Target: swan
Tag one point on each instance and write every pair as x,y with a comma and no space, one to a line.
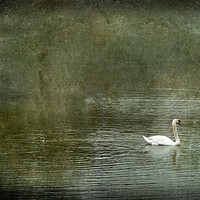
163,140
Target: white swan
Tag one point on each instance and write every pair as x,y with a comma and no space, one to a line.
163,140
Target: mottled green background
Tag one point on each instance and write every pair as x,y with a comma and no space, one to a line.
55,54
50,49
53,50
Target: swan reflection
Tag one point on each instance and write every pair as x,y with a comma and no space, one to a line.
163,152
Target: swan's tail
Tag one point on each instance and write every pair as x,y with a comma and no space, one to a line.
147,140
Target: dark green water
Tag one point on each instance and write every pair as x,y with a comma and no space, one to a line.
81,83
100,153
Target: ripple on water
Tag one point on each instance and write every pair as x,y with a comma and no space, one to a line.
104,155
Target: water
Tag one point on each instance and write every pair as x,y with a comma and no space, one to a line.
97,151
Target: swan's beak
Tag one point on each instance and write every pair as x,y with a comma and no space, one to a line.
180,123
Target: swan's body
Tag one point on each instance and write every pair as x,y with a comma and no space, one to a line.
163,140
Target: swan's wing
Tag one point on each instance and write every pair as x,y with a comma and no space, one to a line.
161,140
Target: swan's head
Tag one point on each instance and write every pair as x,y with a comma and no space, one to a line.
177,121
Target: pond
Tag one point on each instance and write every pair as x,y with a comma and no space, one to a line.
98,152
81,82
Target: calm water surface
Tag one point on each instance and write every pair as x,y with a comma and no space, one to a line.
99,151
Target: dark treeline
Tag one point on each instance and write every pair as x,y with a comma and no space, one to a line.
80,3
103,48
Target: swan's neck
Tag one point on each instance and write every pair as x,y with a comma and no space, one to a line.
175,133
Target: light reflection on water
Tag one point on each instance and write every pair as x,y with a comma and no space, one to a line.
104,155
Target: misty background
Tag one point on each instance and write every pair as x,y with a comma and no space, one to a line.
53,49
81,82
